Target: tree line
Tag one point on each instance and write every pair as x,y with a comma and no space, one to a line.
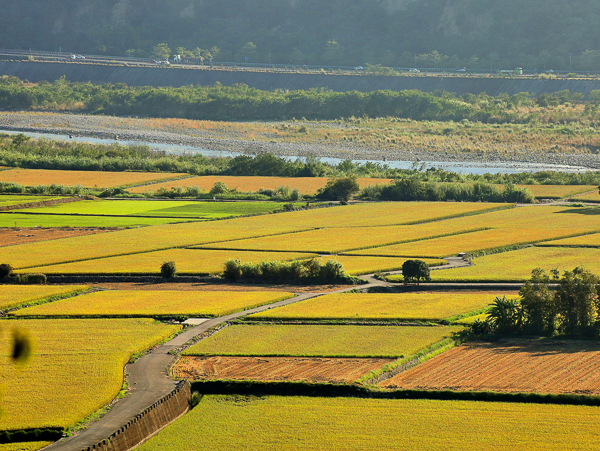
240,102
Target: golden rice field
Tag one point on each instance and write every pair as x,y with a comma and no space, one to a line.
517,265
136,240
87,179
592,197
12,295
558,191
156,303
238,422
187,261
591,240
306,185
357,265
24,446
333,240
321,340
76,367
432,306
470,242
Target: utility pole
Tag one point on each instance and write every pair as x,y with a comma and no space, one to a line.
569,62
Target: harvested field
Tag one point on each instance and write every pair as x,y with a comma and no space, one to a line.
76,367
470,242
312,423
509,366
10,236
12,295
320,340
87,179
432,306
335,371
187,261
306,185
154,304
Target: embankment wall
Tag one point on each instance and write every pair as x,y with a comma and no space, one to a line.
148,422
161,76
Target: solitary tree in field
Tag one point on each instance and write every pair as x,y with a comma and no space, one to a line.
167,270
415,271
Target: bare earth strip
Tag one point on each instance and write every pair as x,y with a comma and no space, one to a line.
276,368
11,236
516,366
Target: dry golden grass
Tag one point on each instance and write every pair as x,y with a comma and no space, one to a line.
87,179
76,367
187,261
306,185
24,446
155,304
470,242
424,306
11,295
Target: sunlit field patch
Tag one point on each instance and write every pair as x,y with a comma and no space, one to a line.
156,303
306,185
87,179
187,261
432,306
358,424
11,295
321,340
76,368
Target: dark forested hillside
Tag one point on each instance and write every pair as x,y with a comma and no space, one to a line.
444,33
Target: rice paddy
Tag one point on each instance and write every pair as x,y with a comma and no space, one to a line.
290,423
12,295
187,261
321,340
8,200
155,304
86,179
420,306
76,368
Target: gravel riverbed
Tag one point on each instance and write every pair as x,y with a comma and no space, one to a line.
226,139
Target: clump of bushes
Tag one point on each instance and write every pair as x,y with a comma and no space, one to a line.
412,189
305,271
5,270
29,279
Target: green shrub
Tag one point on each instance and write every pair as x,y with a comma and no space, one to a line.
29,279
5,270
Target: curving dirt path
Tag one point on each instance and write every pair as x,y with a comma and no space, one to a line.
149,378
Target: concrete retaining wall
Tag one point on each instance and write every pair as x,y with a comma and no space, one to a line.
160,76
143,425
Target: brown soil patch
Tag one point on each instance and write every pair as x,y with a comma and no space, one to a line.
275,368
10,236
215,287
518,366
